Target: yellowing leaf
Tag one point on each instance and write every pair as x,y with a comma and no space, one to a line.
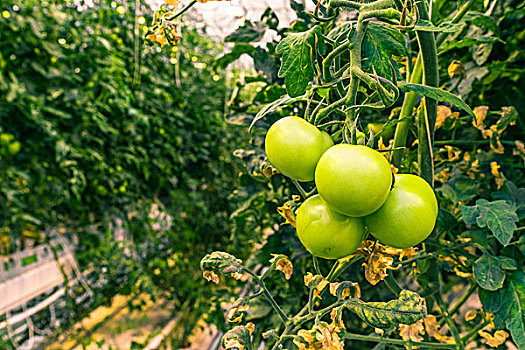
250,327
443,113
432,328
496,340
470,315
211,276
283,264
412,332
286,212
520,149
498,177
456,68
481,114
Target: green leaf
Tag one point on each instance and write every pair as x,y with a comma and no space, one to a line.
436,94
237,51
499,216
460,189
285,100
445,27
381,42
298,52
248,33
408,309
488,272
508,307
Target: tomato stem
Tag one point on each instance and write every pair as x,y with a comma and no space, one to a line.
376,339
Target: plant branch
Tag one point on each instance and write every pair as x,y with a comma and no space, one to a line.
276,307
376,339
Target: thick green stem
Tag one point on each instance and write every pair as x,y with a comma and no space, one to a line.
410,98
376,339
427,121
407,110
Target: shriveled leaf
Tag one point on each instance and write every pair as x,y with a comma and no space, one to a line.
433,330
408,309
297,63
317,282
238,310
283,264
321,336
495,340
345,290
498,216
379,259
221,262
238,338
412,332
286,211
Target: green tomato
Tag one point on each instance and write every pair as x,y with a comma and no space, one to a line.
326,233
360,137
408,215
377,128
354,180
294,147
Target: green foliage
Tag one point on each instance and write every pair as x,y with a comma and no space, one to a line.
498,216
98,125
507,305
408,309
297,62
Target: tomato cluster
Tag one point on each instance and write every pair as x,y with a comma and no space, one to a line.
356,191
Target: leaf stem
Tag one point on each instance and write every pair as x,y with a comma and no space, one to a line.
300,188
316,265
276,307
475,331
181,12
376,339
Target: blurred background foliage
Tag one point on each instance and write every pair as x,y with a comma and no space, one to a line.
100,130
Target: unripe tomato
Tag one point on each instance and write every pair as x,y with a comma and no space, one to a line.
408,215
326,233
294,147
354,180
